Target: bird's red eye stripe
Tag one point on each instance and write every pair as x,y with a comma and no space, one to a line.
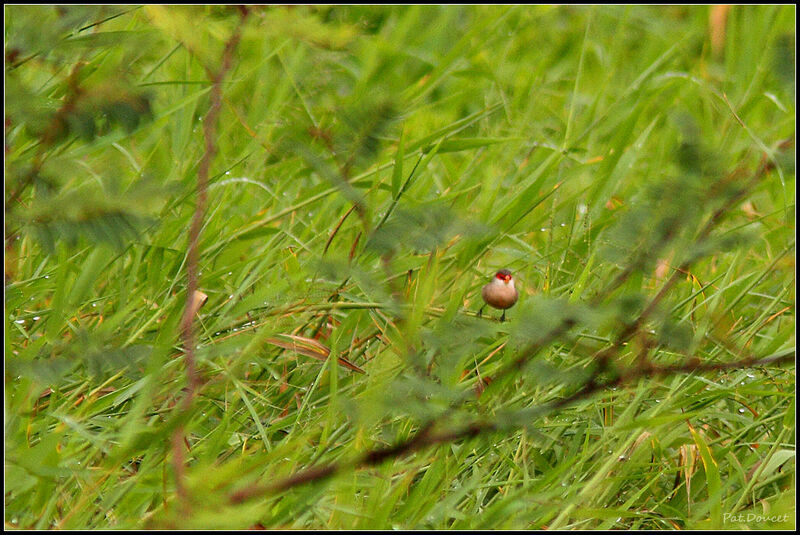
503,277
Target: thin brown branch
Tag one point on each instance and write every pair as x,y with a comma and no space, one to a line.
51,133
336,229
425,437
633,327
187,321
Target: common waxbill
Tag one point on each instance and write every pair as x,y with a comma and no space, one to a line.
500,293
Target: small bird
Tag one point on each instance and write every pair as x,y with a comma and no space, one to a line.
500,293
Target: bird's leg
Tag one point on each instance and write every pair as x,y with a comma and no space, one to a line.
480,312
503,317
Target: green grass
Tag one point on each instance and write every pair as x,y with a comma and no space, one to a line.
568,144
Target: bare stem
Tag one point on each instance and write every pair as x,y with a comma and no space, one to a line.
187,321
425,437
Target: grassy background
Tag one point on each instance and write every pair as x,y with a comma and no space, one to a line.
565,143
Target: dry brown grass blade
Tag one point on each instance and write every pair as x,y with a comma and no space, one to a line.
197,301
717,24
310,348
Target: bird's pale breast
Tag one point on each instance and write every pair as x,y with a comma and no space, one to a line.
500,296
